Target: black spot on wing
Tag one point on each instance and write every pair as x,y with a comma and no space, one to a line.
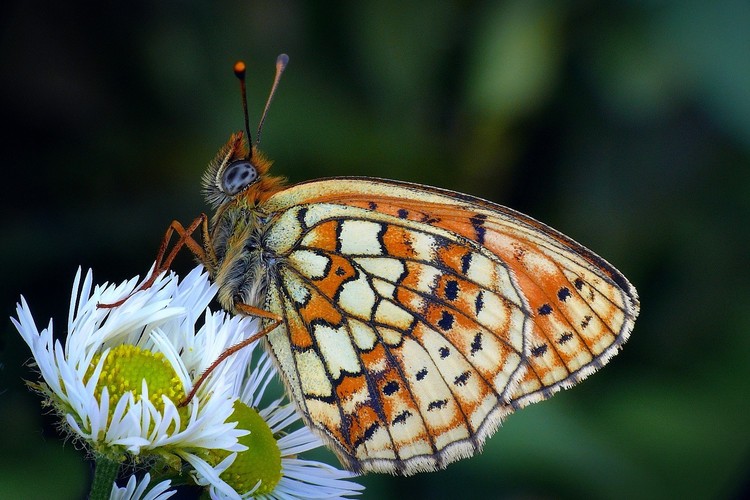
390,388
585,322
401,417
544,309
437,404
402,213
462,379
477,222
565,337
479,302
578,283
563,294
476,344
444,352
480,230
539,350
446,321
372,205
465,262
421,374
451,290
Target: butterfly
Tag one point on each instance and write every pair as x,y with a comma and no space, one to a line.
406,321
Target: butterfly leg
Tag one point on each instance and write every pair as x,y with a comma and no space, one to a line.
204,254
245,310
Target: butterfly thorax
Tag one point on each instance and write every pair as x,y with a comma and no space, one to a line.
242,262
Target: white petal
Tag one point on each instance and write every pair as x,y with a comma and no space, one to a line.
135,490
207,475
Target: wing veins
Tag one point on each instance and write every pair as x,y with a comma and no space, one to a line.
462,240
561,253
449,306
437,265
447,270
403,377
602,295
419,317
316,347
370,383
594,357
566,256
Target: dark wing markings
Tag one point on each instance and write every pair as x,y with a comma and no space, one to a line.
371,384
436,329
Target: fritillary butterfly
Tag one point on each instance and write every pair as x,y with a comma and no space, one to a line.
407,321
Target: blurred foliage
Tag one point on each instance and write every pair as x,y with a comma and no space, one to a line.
624,124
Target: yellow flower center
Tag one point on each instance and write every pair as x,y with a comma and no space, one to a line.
262,459
127,366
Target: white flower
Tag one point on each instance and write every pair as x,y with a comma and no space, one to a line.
119,377
292,477
122,371
135,490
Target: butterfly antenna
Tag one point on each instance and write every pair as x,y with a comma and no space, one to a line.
281,63
239,72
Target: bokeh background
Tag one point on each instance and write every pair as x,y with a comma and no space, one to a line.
624,124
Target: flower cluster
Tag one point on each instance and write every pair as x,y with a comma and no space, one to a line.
119,378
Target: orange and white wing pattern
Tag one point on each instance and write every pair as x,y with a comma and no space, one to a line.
415,319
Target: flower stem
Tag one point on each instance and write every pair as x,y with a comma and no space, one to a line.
105,474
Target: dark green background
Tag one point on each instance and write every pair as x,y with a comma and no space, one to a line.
626,125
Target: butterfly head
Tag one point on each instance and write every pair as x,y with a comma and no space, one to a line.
239,171
236,174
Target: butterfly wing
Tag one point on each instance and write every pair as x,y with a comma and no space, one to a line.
416,318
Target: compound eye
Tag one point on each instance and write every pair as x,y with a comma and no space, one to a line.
237,176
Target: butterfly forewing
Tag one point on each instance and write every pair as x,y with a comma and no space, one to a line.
415,319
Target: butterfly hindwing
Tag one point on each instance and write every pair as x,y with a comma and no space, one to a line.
415,319
410,378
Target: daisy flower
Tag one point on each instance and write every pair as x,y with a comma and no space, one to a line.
135,490
270,469
119,377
